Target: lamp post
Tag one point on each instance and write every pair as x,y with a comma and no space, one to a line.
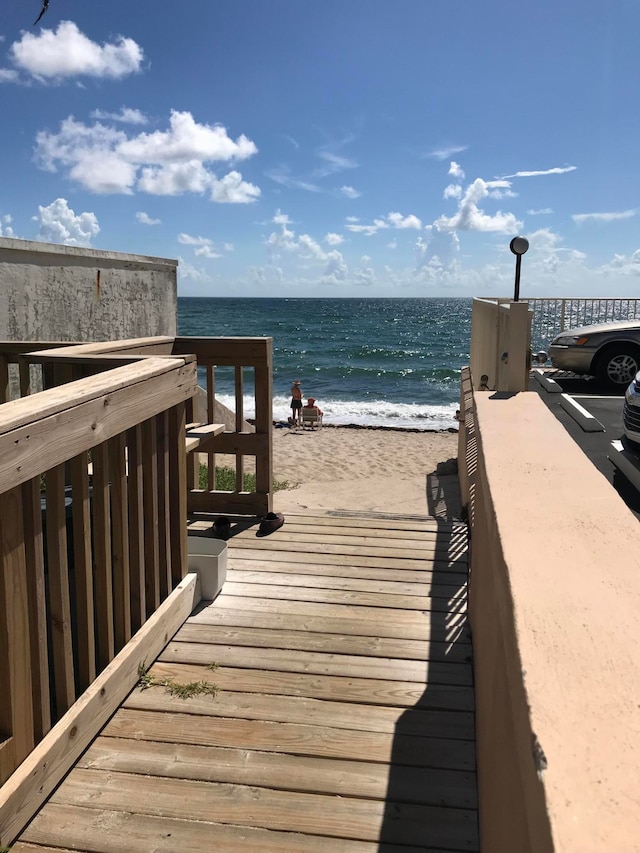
518,246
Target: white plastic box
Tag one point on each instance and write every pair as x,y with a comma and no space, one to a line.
208,557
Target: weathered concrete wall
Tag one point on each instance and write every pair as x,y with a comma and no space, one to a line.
554,601
51,292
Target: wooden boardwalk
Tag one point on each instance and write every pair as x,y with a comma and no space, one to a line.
344,717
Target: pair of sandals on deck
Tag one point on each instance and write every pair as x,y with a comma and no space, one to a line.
269,523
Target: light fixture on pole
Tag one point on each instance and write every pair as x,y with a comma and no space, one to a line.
518,246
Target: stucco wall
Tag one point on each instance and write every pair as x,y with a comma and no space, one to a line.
554,604
51,292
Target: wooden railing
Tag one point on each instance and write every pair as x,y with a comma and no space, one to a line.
35,365
92,533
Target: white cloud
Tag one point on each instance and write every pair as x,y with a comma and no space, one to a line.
456,171
445,153
145,219
471,218
350,192
392,220
352,219
336,270
8,75
365,259
557,170
127,115
281,218
393,244
541,212
104,159
229,247
308,247
204,246
333,239
364,277
5,226
452,191
579,218
502,194
188,272
397,220
59,224
233,190
67,52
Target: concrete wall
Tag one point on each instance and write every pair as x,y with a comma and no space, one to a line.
52,292
554,604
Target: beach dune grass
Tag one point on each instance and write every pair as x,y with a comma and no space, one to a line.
226,480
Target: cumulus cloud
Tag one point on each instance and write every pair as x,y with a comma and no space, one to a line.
350,192
352,219
452,191
540,212
127,115
333,239
336,270
456,171
579,218
8,75
203,246
145,219
445,152
5,226
59,224
105,159
391,220
281,218
470,217
557,170
188,272
66,52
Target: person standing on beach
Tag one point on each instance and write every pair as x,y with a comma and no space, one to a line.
296,401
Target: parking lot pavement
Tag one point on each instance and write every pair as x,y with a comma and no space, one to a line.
606,406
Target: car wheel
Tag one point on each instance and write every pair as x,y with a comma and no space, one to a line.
618,365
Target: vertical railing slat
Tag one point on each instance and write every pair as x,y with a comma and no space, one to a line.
103,570
151,544
16,712
164,542
178,492
59,596
120,541
34,553
83,570
239,389
211,396
136,527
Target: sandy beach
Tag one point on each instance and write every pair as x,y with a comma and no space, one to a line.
372,469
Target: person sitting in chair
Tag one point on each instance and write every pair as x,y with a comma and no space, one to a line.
311,406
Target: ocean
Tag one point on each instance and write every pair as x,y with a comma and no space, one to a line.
377,362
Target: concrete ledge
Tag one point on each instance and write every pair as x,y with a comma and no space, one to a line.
546,382
627,463
587,421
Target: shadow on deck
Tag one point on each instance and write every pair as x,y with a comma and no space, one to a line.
343,719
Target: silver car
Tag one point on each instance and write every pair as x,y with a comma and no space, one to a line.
610,351
631,412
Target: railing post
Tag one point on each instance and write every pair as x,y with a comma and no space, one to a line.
178,492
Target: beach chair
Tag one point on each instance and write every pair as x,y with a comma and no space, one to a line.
311,417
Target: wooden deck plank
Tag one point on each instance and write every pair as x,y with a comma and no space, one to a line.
236,562
321,580
320,663
330,624
346,597
292,718
253,550
425,786
316,814
274,638
371,691
345,545
120,830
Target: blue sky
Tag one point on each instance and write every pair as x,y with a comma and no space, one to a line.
335,148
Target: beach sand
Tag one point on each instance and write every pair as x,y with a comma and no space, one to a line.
370,469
